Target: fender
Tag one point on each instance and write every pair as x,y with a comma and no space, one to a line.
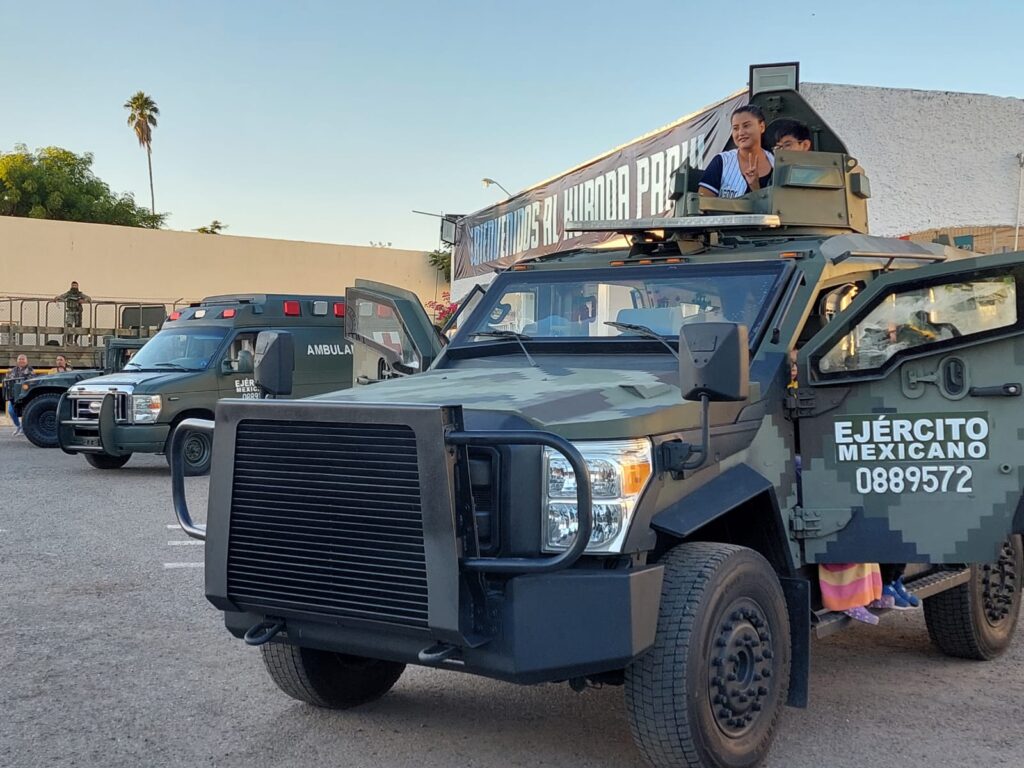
739,490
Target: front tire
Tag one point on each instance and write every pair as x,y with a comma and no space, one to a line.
106,461
977,620
328,679
197,452
39,420
710,690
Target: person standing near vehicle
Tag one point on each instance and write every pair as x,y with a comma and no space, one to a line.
73,300
60,364
12,381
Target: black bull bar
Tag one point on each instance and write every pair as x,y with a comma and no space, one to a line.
439,439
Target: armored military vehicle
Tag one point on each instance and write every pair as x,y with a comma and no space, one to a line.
611,475
36,399
202,353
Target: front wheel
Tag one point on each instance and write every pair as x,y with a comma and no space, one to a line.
977,620
106,461
39,420
710,690
328,679
197,451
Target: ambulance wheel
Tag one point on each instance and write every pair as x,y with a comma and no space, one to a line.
710,690
106,461
328,679
197,452
977,620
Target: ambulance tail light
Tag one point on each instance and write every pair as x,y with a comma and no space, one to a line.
291,308
339,309
228,313
174,316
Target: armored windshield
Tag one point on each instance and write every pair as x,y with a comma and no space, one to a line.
188,349
559,304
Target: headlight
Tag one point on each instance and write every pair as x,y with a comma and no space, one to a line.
619,471
145,408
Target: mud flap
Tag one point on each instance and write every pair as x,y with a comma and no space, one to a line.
798,603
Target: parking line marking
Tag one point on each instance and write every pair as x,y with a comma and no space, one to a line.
183,565
172,526
185,543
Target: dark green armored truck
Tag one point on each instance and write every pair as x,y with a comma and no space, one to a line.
202,353
36,399
610,475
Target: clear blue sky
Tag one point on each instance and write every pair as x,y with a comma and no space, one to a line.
330,121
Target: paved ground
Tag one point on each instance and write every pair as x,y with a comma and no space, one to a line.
110,656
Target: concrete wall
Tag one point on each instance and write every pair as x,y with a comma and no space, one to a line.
43,257
935,159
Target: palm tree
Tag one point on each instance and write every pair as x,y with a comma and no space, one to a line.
142,114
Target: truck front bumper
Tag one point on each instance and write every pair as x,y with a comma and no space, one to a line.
550,627
105,435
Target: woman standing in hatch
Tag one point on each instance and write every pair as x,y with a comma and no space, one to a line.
738,171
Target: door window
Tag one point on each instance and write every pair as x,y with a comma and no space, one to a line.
240,354
915,320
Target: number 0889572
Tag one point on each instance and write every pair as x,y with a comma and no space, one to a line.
945,478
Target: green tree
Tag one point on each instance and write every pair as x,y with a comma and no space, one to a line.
55,183
142,114
213,228
441,260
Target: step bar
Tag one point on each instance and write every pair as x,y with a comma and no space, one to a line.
930,583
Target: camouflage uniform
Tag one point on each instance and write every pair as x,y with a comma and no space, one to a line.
73,300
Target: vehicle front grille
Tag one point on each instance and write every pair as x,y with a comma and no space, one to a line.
83,408
326,520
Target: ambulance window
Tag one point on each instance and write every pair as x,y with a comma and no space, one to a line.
240,353
922,317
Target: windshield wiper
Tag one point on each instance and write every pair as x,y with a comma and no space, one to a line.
643,330
133,365
518,337
175,366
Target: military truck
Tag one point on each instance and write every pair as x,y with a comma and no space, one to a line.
35,400
202,353
610,474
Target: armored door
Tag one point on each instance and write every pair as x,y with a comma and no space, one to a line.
911,419
390,332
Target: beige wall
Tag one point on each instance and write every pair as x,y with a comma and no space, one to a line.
43,257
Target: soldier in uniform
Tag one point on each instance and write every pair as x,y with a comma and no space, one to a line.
73,299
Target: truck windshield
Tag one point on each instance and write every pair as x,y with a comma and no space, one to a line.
183,349
576,305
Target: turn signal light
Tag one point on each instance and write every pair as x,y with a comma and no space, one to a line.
291,308
339,309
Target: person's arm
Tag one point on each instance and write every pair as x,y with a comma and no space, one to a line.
62,296
711,180
86,297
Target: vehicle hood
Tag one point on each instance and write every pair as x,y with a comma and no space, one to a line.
577,403
149,381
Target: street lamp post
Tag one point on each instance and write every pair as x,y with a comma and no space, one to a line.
488,182
1020,195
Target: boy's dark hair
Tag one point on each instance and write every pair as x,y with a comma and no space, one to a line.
793,128
752,109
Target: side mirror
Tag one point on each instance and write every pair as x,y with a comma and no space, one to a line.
227,366
714,366
274,362
714,362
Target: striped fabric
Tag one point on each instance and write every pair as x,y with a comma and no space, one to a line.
849,585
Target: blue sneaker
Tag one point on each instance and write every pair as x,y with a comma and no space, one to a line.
899,603
912,600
